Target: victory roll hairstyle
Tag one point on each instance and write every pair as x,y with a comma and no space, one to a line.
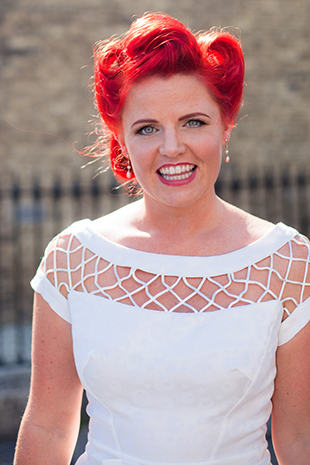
157,44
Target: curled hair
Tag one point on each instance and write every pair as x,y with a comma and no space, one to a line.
157,44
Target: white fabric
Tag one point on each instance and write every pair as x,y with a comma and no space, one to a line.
55,299
166,387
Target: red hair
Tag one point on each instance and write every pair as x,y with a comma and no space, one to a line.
157,44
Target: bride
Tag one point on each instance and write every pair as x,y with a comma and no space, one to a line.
184,318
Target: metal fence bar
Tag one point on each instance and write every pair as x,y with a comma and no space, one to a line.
31,215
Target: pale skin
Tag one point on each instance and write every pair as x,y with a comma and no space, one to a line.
165,123
50,425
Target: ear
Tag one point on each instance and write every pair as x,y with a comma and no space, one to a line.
120,139
227,132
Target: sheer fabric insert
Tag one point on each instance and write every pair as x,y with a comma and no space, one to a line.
284,275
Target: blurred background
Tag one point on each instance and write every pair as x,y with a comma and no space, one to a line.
45,109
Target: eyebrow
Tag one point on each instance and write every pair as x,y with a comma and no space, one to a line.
193,115
154,121
145,121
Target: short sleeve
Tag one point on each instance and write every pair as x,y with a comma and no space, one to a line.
47,274
54,278
294,322
41,284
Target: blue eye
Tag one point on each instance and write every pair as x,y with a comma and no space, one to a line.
195,123
146,130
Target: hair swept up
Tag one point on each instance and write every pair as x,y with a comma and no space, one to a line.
157,44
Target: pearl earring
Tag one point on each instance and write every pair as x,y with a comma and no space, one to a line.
129,167
128,174
227,157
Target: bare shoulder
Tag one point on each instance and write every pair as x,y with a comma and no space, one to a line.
257,227
235,230
120,223
244,228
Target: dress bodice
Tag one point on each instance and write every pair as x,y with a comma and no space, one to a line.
175,387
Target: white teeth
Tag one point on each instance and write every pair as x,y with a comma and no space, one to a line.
177,178
168,171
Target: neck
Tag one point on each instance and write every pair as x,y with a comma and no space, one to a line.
182,222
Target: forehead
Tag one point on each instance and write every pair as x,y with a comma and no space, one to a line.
178,93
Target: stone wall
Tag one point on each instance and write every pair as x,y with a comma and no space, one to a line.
45,67
46,48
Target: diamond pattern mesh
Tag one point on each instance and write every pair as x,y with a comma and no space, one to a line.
284,275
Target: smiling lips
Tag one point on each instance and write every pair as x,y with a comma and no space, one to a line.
176,172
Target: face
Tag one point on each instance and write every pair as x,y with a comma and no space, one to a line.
173,133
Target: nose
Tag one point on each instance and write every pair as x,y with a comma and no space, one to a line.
171,145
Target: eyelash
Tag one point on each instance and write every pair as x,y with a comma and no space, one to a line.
201,123
140,130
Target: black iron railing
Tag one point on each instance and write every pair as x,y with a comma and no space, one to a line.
30,215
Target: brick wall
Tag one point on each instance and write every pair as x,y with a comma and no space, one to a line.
46,49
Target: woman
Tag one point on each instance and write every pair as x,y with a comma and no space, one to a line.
183,317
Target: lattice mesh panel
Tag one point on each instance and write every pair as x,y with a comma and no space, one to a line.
284,275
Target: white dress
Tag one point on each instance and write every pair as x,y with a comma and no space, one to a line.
188,384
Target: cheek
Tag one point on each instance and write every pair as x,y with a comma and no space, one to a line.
141,153
140,164
137,157
209,150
